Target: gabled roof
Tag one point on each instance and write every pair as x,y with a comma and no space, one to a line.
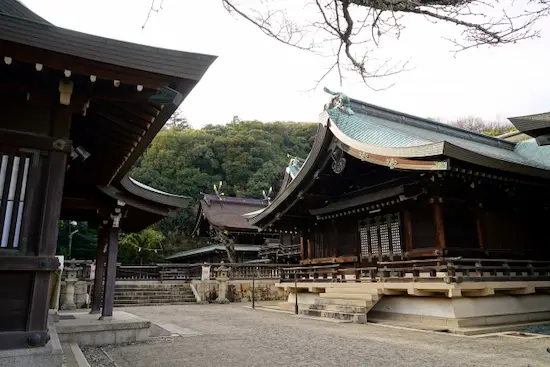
20,25
400,141
228,212
210,249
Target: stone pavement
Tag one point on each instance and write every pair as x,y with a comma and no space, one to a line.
232,335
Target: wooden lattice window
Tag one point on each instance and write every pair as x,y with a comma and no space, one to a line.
395,230
14,174
380,236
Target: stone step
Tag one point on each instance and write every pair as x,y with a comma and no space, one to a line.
157,296
151,304
344,302
143,293
343,295
133,288
153,301
340,308
289,306
358,318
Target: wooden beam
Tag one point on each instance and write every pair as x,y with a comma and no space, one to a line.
22,139
309,249
110,274
439,226
22,339
85,67
302,248
423,252
330,260
28,263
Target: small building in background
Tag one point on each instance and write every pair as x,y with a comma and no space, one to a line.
225,215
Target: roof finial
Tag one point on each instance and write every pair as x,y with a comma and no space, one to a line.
218,190
267,195
340,101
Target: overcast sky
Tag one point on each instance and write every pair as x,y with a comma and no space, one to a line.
255,77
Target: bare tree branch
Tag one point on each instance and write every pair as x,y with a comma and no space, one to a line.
354,29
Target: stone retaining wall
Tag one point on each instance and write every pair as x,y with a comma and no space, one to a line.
240,290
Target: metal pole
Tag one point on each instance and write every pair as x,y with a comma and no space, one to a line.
295,292
70,239
253,290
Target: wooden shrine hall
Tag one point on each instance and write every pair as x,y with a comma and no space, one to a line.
416,207
224,215
77,111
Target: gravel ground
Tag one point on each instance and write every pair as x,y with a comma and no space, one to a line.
231,335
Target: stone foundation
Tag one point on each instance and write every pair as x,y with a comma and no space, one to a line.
464,312
85,329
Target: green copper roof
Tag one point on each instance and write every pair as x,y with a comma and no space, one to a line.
379,127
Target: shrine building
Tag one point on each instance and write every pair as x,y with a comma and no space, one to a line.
417,220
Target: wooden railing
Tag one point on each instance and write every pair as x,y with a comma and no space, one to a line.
450,270
186,272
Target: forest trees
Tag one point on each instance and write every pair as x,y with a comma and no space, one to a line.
247,156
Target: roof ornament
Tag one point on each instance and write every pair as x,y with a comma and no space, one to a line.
267,195
339,101
338,161
218,190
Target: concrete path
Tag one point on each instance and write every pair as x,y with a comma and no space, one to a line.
231,335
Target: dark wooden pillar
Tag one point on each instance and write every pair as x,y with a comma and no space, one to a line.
407,230
309,249
302,248
47,241
110,274
479,225
103,239
439,226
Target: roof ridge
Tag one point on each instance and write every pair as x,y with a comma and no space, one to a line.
233,199
424,123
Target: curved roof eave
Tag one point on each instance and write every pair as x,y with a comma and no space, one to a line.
322,139
139,189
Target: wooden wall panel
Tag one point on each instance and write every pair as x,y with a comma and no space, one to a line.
423,226
15,288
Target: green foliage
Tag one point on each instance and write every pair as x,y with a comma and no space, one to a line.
141,248
248,156
84,246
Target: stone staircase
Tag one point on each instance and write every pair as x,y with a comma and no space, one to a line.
348,304
127,295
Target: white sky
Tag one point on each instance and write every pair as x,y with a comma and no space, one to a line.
255,77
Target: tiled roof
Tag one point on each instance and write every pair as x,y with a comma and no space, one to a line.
401,134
